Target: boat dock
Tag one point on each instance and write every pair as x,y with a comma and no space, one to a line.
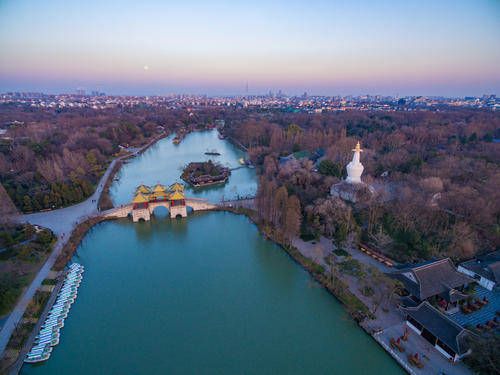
46,333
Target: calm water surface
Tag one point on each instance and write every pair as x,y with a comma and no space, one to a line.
164,161
202,295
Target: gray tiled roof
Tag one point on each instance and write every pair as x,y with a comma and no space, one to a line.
445,329
436,277
487,266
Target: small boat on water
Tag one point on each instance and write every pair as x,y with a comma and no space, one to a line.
53,325
44,348
212,152
51,342
46,338
221,136
38,358
241,161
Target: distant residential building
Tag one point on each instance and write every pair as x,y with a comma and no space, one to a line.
485,269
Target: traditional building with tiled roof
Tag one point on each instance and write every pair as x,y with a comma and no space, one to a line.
448,337
485,269
437,279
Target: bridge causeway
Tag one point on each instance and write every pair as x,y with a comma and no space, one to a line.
146,199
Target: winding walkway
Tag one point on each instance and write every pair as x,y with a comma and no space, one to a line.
59,221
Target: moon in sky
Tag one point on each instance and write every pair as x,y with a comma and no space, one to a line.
146,68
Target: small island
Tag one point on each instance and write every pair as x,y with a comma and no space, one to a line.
205,173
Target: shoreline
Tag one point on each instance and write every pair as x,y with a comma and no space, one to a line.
78,232
104,199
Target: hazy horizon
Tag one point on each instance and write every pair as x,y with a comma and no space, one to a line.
429,48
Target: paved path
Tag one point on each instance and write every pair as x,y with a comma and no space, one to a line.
318,250
246,203
60,221
434,362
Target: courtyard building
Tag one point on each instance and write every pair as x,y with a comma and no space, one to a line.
436,281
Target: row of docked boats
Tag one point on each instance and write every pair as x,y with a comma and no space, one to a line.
49,334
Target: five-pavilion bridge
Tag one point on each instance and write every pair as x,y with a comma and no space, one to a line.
146,199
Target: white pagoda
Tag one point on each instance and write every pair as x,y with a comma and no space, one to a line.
352,188
355,168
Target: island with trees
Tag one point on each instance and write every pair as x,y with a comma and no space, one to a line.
205,173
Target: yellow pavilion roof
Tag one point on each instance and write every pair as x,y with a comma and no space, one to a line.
140,198
143,189
177,187
158,188
176,196
162,193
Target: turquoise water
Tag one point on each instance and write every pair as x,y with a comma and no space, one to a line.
163,163
202,295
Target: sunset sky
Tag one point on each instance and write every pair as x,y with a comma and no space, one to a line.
449,48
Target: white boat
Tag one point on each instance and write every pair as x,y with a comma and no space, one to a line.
63,314
64,297
41,339
49,341
40,348
69,288
72,276
57,313
71,285
48,330
75,279
58,309
53,335
58,324
61,304
52,321
49,333
66,293
39,358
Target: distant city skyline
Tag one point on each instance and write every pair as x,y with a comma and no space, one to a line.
429,48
